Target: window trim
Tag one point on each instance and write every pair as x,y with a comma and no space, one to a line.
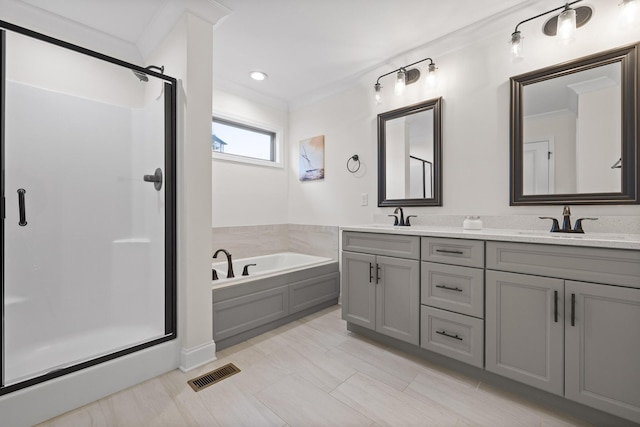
277,152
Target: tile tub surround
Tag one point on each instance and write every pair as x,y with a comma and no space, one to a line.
254,240
628,224
314,372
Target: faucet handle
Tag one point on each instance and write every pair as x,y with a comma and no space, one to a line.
578,226
245,270
395,221
214,274
555,226
406,220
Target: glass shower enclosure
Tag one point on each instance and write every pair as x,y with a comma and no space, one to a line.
88,208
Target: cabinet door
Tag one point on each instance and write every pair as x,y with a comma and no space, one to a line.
602,347
524,336
359,289
398,299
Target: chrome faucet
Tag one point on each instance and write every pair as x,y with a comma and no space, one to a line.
229,263
566,223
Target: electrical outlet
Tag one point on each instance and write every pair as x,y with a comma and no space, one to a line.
364,199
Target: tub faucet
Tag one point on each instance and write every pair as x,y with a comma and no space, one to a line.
566,223
229,263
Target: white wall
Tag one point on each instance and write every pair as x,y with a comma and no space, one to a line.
474,84
186,55
598,141
247,194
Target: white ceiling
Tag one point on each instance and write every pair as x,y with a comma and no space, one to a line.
305,46
123,19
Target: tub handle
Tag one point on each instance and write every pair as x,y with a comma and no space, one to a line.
245,270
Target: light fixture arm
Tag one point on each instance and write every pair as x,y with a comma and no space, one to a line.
566,6
407,66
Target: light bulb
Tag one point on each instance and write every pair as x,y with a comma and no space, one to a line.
566,26
516,45
431,76
630,13
401,80
378,93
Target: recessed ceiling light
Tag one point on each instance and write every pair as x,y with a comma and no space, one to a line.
258,75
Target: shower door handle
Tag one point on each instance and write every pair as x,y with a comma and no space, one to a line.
156,178
21,208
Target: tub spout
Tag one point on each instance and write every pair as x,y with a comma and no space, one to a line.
229,264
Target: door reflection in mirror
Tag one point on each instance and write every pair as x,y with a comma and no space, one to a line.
409,148
580,113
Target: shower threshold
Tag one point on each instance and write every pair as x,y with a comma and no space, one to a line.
29,362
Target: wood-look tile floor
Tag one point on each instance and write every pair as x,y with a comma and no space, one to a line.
313,372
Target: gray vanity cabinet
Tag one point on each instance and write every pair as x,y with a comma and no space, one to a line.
358,293
602,347
524,336
381,292
452,297
562,334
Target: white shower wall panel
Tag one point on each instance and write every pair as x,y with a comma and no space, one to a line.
77,168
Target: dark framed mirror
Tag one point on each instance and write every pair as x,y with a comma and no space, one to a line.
574,131
410,155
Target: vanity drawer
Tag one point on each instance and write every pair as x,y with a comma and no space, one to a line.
454,288
469,253
454,335
382,244
598,265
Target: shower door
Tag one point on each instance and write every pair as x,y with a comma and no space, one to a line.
88,220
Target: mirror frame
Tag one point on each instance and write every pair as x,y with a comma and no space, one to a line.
432,104
628,57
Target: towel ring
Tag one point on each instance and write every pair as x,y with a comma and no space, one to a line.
356,160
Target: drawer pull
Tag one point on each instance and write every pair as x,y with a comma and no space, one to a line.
370,272
456,337
555,306
448,288
573,309
449,251
377,274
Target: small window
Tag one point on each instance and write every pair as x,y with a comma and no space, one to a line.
236,139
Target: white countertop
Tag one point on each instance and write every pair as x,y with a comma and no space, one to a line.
599,240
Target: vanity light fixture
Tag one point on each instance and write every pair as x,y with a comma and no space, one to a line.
562,25
406,76
258,75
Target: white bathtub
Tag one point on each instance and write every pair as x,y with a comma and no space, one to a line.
280,288
266,265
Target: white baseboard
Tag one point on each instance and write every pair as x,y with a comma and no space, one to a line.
191,358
